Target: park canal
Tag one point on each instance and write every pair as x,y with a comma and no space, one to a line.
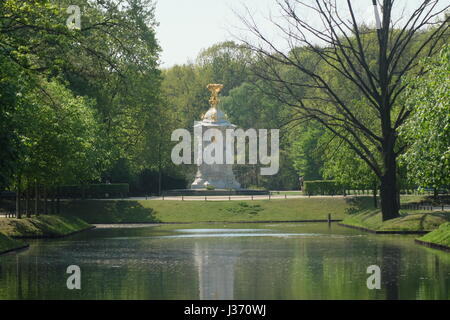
226,261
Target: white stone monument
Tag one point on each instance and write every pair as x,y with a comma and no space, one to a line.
219,176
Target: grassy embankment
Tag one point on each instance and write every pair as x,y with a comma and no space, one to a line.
416,221
420,221
47,226
439,238
358,211
8,244
43,226
434,224
170,211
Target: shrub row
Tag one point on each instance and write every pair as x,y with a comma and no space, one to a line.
322,187
99,191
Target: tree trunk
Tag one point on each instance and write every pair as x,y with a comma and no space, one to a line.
375,203
36,198
58,204
18,207
389,190
159,170
388,187
159,181
27,202
52,210
45,200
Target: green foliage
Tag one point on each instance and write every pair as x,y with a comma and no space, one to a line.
59,136
323,187
306,152
227,63
210,187
341,163
428,129
12,86
74,103
98,191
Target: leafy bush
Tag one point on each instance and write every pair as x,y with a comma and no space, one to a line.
323,187
210,187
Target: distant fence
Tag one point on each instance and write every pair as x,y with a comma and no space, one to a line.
425,207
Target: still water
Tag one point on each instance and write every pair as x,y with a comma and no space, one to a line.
226,261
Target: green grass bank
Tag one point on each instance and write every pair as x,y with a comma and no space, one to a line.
167,211
8,244
439,238
43,226
408,222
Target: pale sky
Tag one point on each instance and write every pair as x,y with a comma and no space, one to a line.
188,26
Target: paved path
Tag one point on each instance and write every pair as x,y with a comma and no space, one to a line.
221,198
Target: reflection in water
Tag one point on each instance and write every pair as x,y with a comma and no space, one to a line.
215,273
257,261
390,270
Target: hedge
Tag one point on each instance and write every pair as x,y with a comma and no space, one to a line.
322,187
111,190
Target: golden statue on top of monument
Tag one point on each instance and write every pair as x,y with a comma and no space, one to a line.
213,113
215,89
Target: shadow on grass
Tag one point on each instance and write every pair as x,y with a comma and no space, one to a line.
20,228
442,214
359,205
94,211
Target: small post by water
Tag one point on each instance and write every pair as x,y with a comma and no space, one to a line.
329,218
285,195
252,197
182,197
163,196
269,195
205,198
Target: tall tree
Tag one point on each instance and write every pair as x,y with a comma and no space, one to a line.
112,59
428,129
347,49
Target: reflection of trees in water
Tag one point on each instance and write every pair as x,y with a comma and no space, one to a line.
19,278
131,272
411,272
252,268
390,270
